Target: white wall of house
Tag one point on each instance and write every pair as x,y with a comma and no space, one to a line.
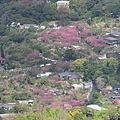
77,86
62,4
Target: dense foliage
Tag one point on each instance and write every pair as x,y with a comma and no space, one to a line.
27,11
75,46
78,113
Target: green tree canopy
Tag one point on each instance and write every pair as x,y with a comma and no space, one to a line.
77,65
110,65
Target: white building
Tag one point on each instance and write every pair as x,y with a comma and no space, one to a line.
77,86
44,74
102,57
42,26
88,85
96,107
27,26
62,4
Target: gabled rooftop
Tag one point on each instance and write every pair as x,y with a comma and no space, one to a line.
116,86
110,39
68,74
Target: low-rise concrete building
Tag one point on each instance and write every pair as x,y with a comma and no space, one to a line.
61,4
95,107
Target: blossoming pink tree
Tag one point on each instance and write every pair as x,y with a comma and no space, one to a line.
76,102
37,91
63,105
115,101
35,55
2,60
96,41
85,32
63,36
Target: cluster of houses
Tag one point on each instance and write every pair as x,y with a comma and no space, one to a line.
112,38
51,24
71,76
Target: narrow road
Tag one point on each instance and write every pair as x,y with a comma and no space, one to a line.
94,89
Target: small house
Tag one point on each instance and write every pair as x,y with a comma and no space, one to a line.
111,40
46,74
69,75
52,24
30,102
116,89
102,57
115,34
77,86
23,102
42,26
88,85
27,26
61,4
26,102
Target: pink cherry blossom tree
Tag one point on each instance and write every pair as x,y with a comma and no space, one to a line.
65,36
115,101
76,102
96,41
85,32
35,55
2,60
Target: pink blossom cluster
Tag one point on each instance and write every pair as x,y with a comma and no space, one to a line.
116,101
59,67
35,55
77,102
81,22
96,41
61,82
52,79
85,32
73,78
47,96
37,90
63,36
24,1
2,59
45,37
5,92
63,105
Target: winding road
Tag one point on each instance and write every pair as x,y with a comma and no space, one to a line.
94,89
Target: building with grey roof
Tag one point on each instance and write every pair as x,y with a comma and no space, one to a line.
111,40
69,74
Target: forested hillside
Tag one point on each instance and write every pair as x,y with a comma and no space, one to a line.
60,57
36,11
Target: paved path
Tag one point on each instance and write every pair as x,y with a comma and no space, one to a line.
94,89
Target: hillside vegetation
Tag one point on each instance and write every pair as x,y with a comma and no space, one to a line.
37,11
31,60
